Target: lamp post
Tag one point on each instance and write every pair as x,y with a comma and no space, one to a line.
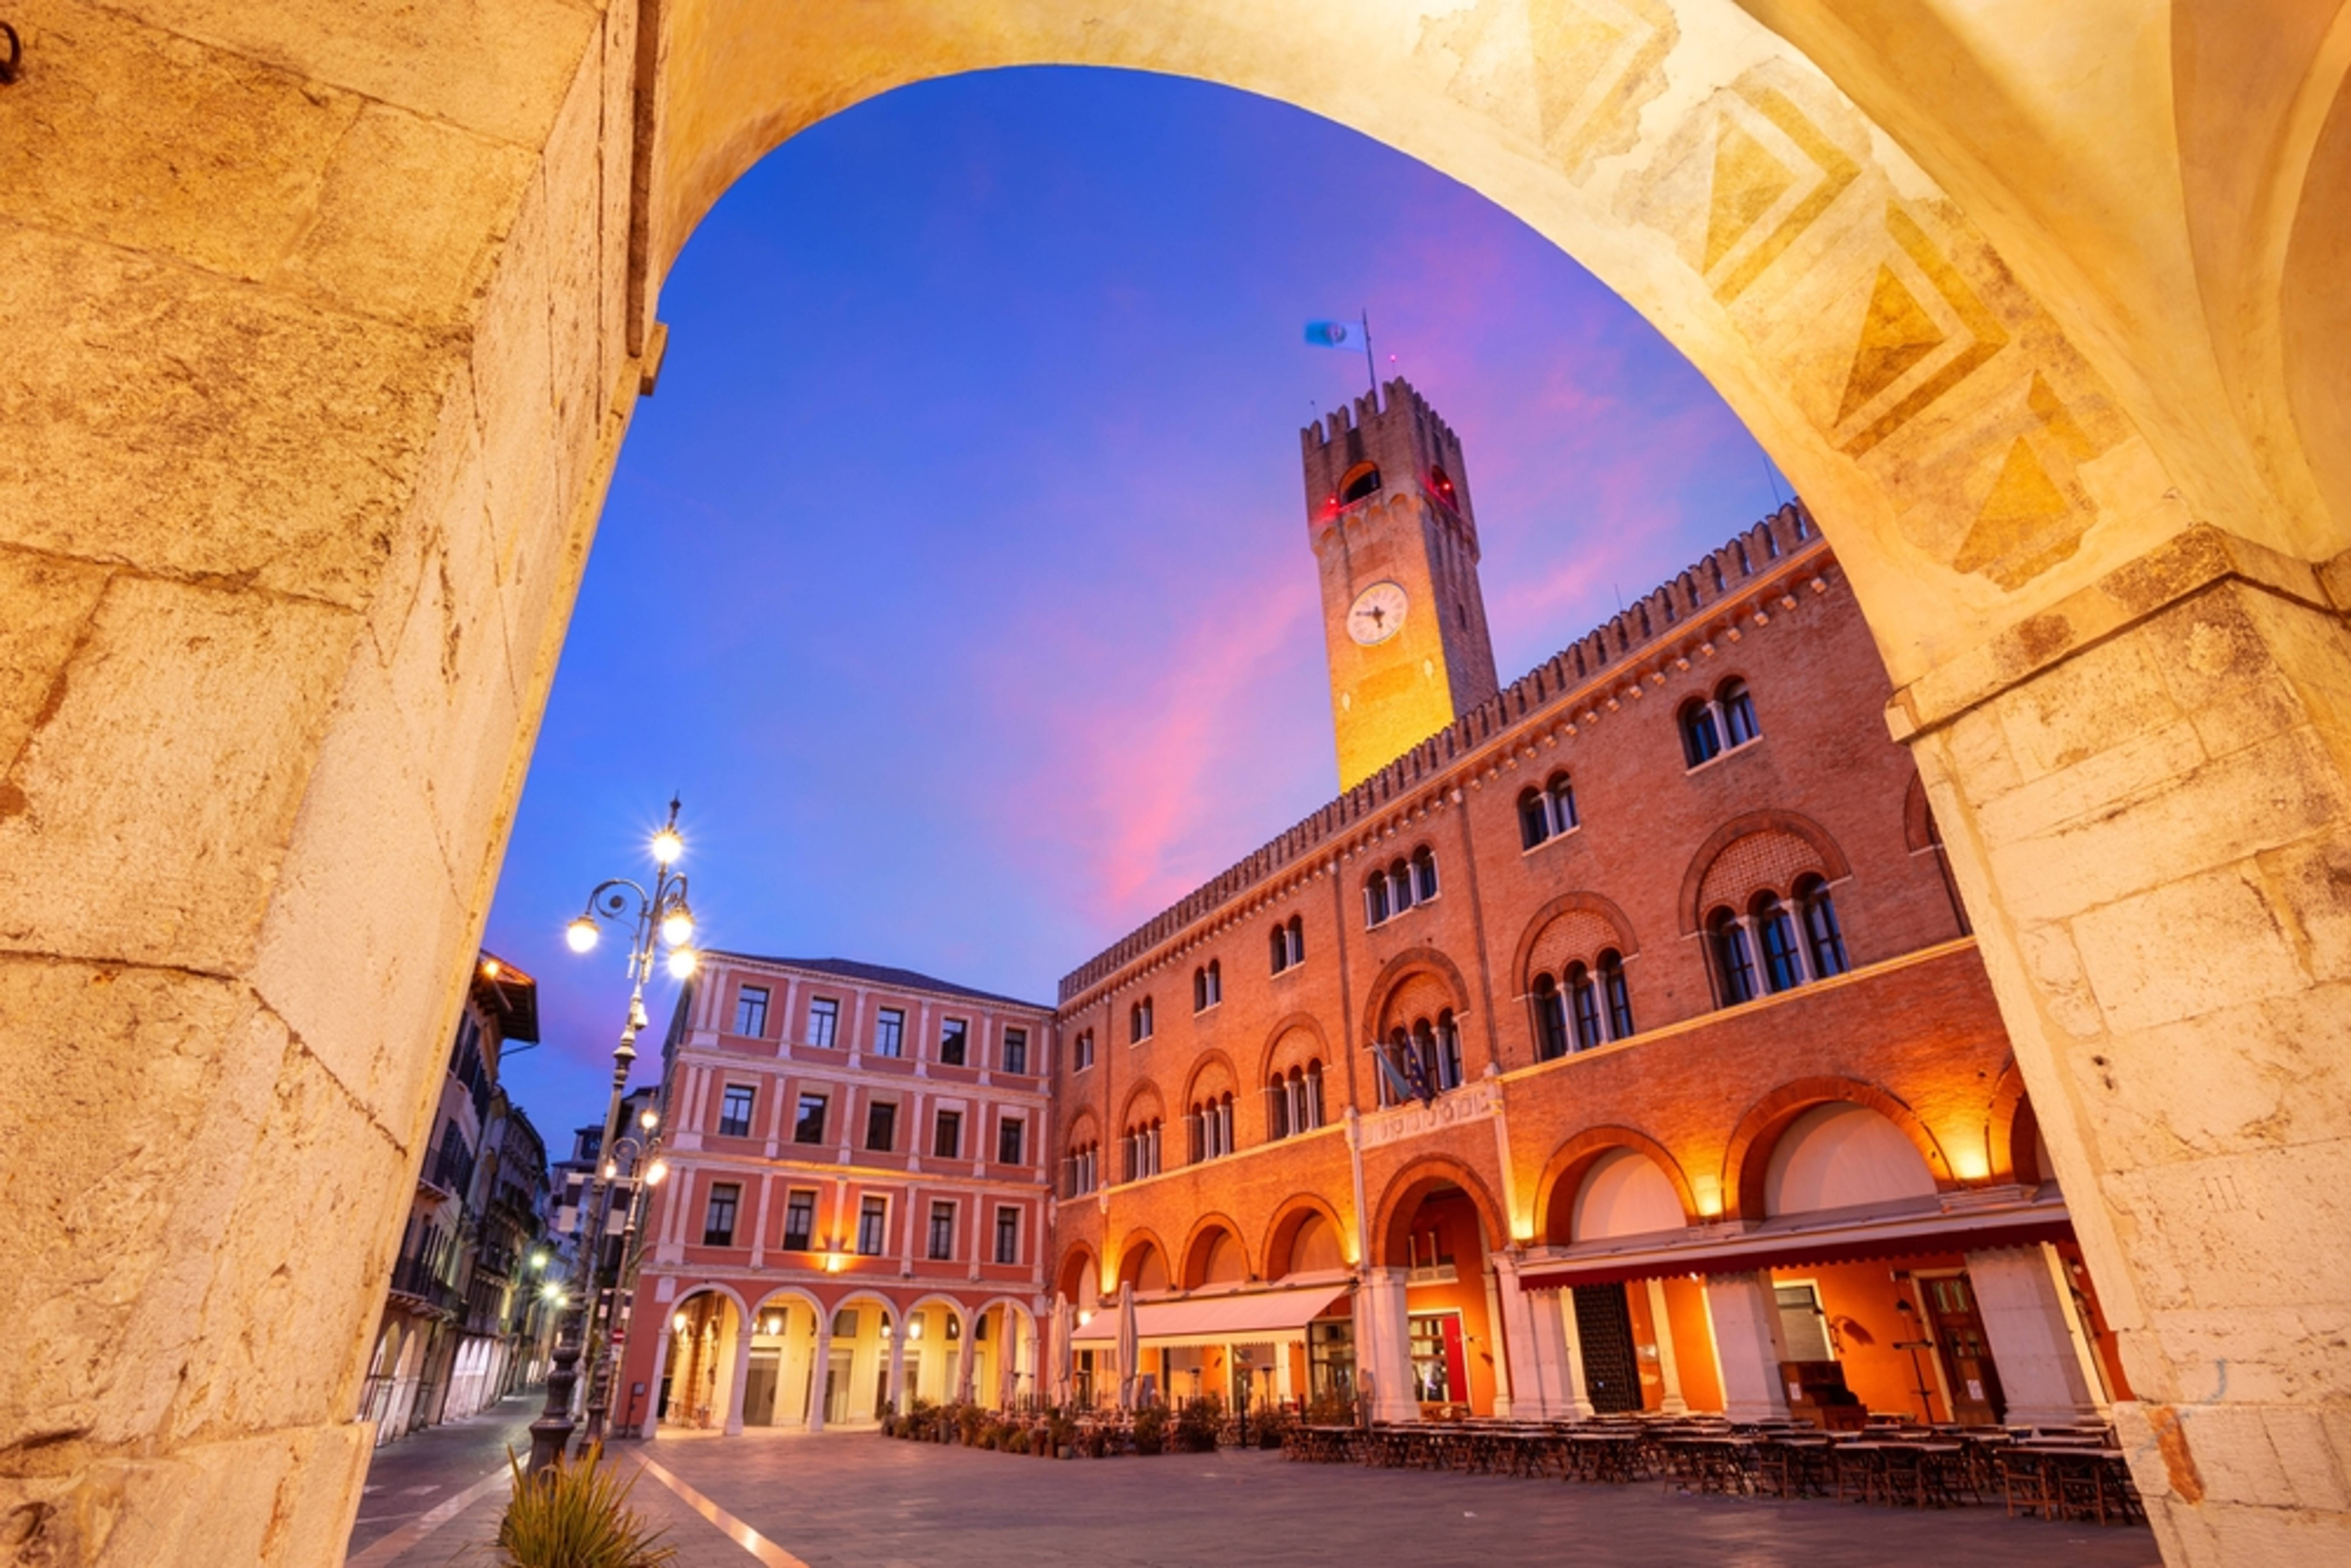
660,915
645,1172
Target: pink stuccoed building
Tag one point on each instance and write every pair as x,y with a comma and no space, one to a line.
856,1213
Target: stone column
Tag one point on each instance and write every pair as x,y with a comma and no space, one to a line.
1497,1336
738,1376
2031,1338
652,1427
819,1368
1669,1369
1750,1344
1557,1327
1514,1313
1380,1308
898,1367
2146,793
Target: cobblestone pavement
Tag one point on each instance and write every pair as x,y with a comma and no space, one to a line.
423,1470
857,1500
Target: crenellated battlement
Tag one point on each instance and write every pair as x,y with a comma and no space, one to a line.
1396,432
1700,593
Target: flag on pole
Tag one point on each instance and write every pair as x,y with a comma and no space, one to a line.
1334,334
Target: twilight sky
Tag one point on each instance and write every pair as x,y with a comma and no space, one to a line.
958,576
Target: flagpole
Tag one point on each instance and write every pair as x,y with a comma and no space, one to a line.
1371,372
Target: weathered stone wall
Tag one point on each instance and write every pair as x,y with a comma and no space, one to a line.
315,376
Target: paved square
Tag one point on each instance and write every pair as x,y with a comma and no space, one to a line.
858,1500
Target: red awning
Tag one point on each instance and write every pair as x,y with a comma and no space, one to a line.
1798,1248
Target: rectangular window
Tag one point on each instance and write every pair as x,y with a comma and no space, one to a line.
751,1011
799,1220
824,1021
873,1220
947,1137
1016,1051
734,1111
1009,1141
951,1039
718,1222
942,1231
1800,1321
809,1126
882,1126
890,1032
1008,1236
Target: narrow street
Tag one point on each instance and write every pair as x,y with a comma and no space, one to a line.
424,1470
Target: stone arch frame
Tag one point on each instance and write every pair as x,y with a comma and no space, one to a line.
1142,1089
1075,1254
1202,1228
1410,1184
1919,831
718,1287
1401,967
1282,1231
1143,1235
1274,1037
800,1294
2008,1156
1568,904
1835,865
1083,1127
940,1299
1749,1155
1564,1173
1201,1065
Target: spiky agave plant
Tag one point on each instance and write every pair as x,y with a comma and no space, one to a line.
577,1515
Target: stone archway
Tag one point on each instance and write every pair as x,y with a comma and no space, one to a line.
300,492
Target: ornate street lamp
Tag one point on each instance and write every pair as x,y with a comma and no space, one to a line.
660,915
616,1308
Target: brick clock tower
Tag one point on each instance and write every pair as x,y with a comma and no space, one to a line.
1387,506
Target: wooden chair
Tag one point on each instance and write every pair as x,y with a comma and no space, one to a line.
2024,1482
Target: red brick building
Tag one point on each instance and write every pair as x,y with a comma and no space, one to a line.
1620,1044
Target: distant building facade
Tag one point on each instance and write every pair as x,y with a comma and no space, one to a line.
464,1322
1616,1041
856,1214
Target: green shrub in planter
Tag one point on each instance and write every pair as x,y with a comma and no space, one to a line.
1150,1429
576,1514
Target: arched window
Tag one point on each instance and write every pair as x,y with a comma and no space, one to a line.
1195,1137
1296,932
1701,741
1277,1107
1551,1021
1222,1115
1442,482
1737,710
1615,995
1376,898
1394,1071
1280,948
1561,795
1361,480
1776,929
1534,817
1199,989
1138,1022
1313,1102
1449,1053
1400,887
1424,873
1734,961
1823,937
1208,986
1583,1001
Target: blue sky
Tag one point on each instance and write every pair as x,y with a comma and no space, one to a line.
958,576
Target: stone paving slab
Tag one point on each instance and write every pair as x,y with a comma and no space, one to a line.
857,1500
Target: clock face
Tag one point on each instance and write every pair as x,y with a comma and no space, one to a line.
1377,613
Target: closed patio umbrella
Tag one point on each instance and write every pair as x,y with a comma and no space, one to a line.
1063,1351
1129,1345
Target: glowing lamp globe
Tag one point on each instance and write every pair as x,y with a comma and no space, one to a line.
580,934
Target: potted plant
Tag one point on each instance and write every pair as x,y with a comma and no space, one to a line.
1196,1427
1150,1429
576,1512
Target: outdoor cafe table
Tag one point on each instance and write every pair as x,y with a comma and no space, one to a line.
1718,1462
1605,1456
2080,1480
1325,1445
